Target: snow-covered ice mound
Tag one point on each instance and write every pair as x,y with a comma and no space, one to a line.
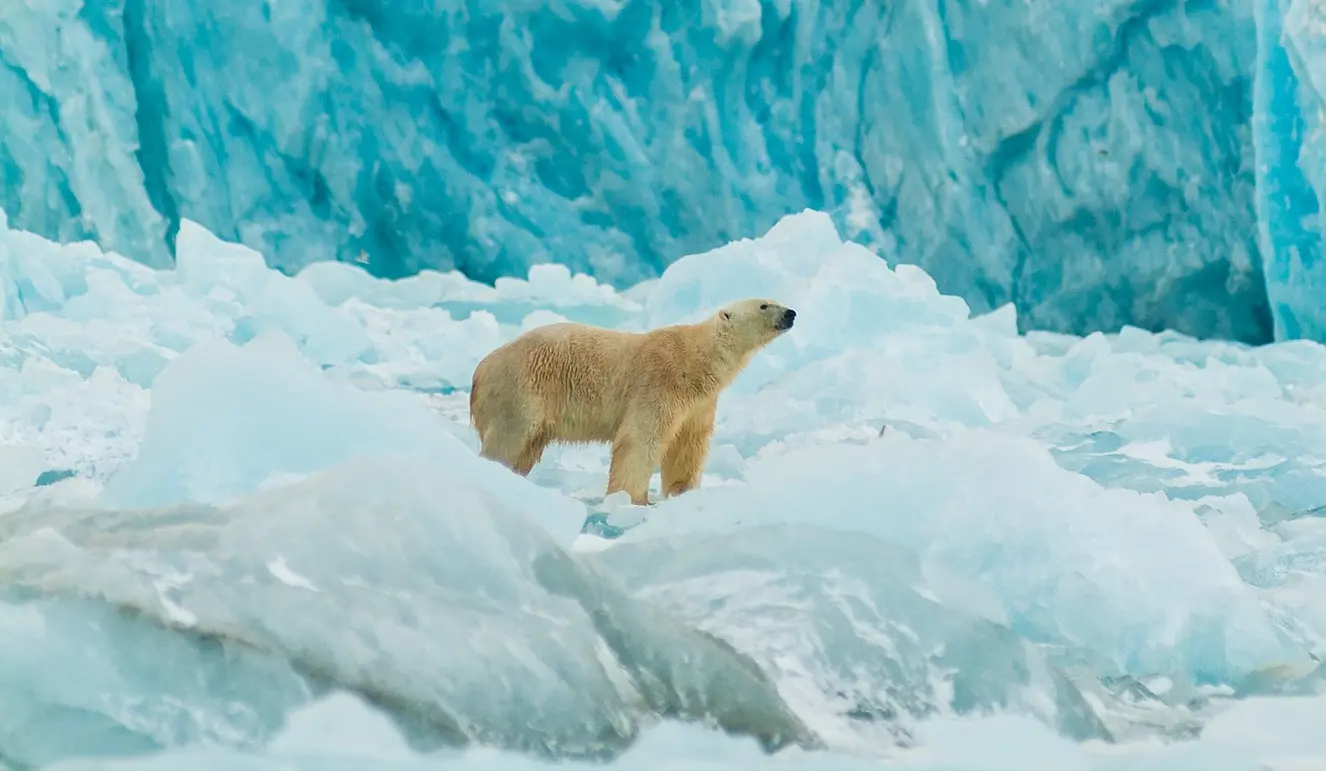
240,507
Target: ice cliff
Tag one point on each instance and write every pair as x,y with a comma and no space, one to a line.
1096,164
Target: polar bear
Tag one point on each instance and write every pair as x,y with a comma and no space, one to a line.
652,395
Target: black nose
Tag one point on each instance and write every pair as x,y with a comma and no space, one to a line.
789,316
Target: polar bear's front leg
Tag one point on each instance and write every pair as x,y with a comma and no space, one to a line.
684,456
635,455
633,463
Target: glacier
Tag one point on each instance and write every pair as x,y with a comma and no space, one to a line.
243,524
1139,163
1291,172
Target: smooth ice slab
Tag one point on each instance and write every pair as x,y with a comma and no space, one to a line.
20,466
863,636
405,581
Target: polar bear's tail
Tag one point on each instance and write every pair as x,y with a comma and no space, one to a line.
474,403
479,386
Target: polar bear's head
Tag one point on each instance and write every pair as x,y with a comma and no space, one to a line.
754,323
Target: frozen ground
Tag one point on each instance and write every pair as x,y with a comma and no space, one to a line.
244,527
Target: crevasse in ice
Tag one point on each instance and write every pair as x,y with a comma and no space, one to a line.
243,508
1095,163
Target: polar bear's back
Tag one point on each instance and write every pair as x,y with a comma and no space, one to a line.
570,376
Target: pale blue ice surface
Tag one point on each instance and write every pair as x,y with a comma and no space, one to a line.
1055,544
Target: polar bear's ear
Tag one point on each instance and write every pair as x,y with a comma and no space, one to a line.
726,316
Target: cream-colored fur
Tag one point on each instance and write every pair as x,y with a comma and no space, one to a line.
652,394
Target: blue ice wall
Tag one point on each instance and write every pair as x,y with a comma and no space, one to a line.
1089,160
1291,169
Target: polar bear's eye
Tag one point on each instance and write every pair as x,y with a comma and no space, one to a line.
764,306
